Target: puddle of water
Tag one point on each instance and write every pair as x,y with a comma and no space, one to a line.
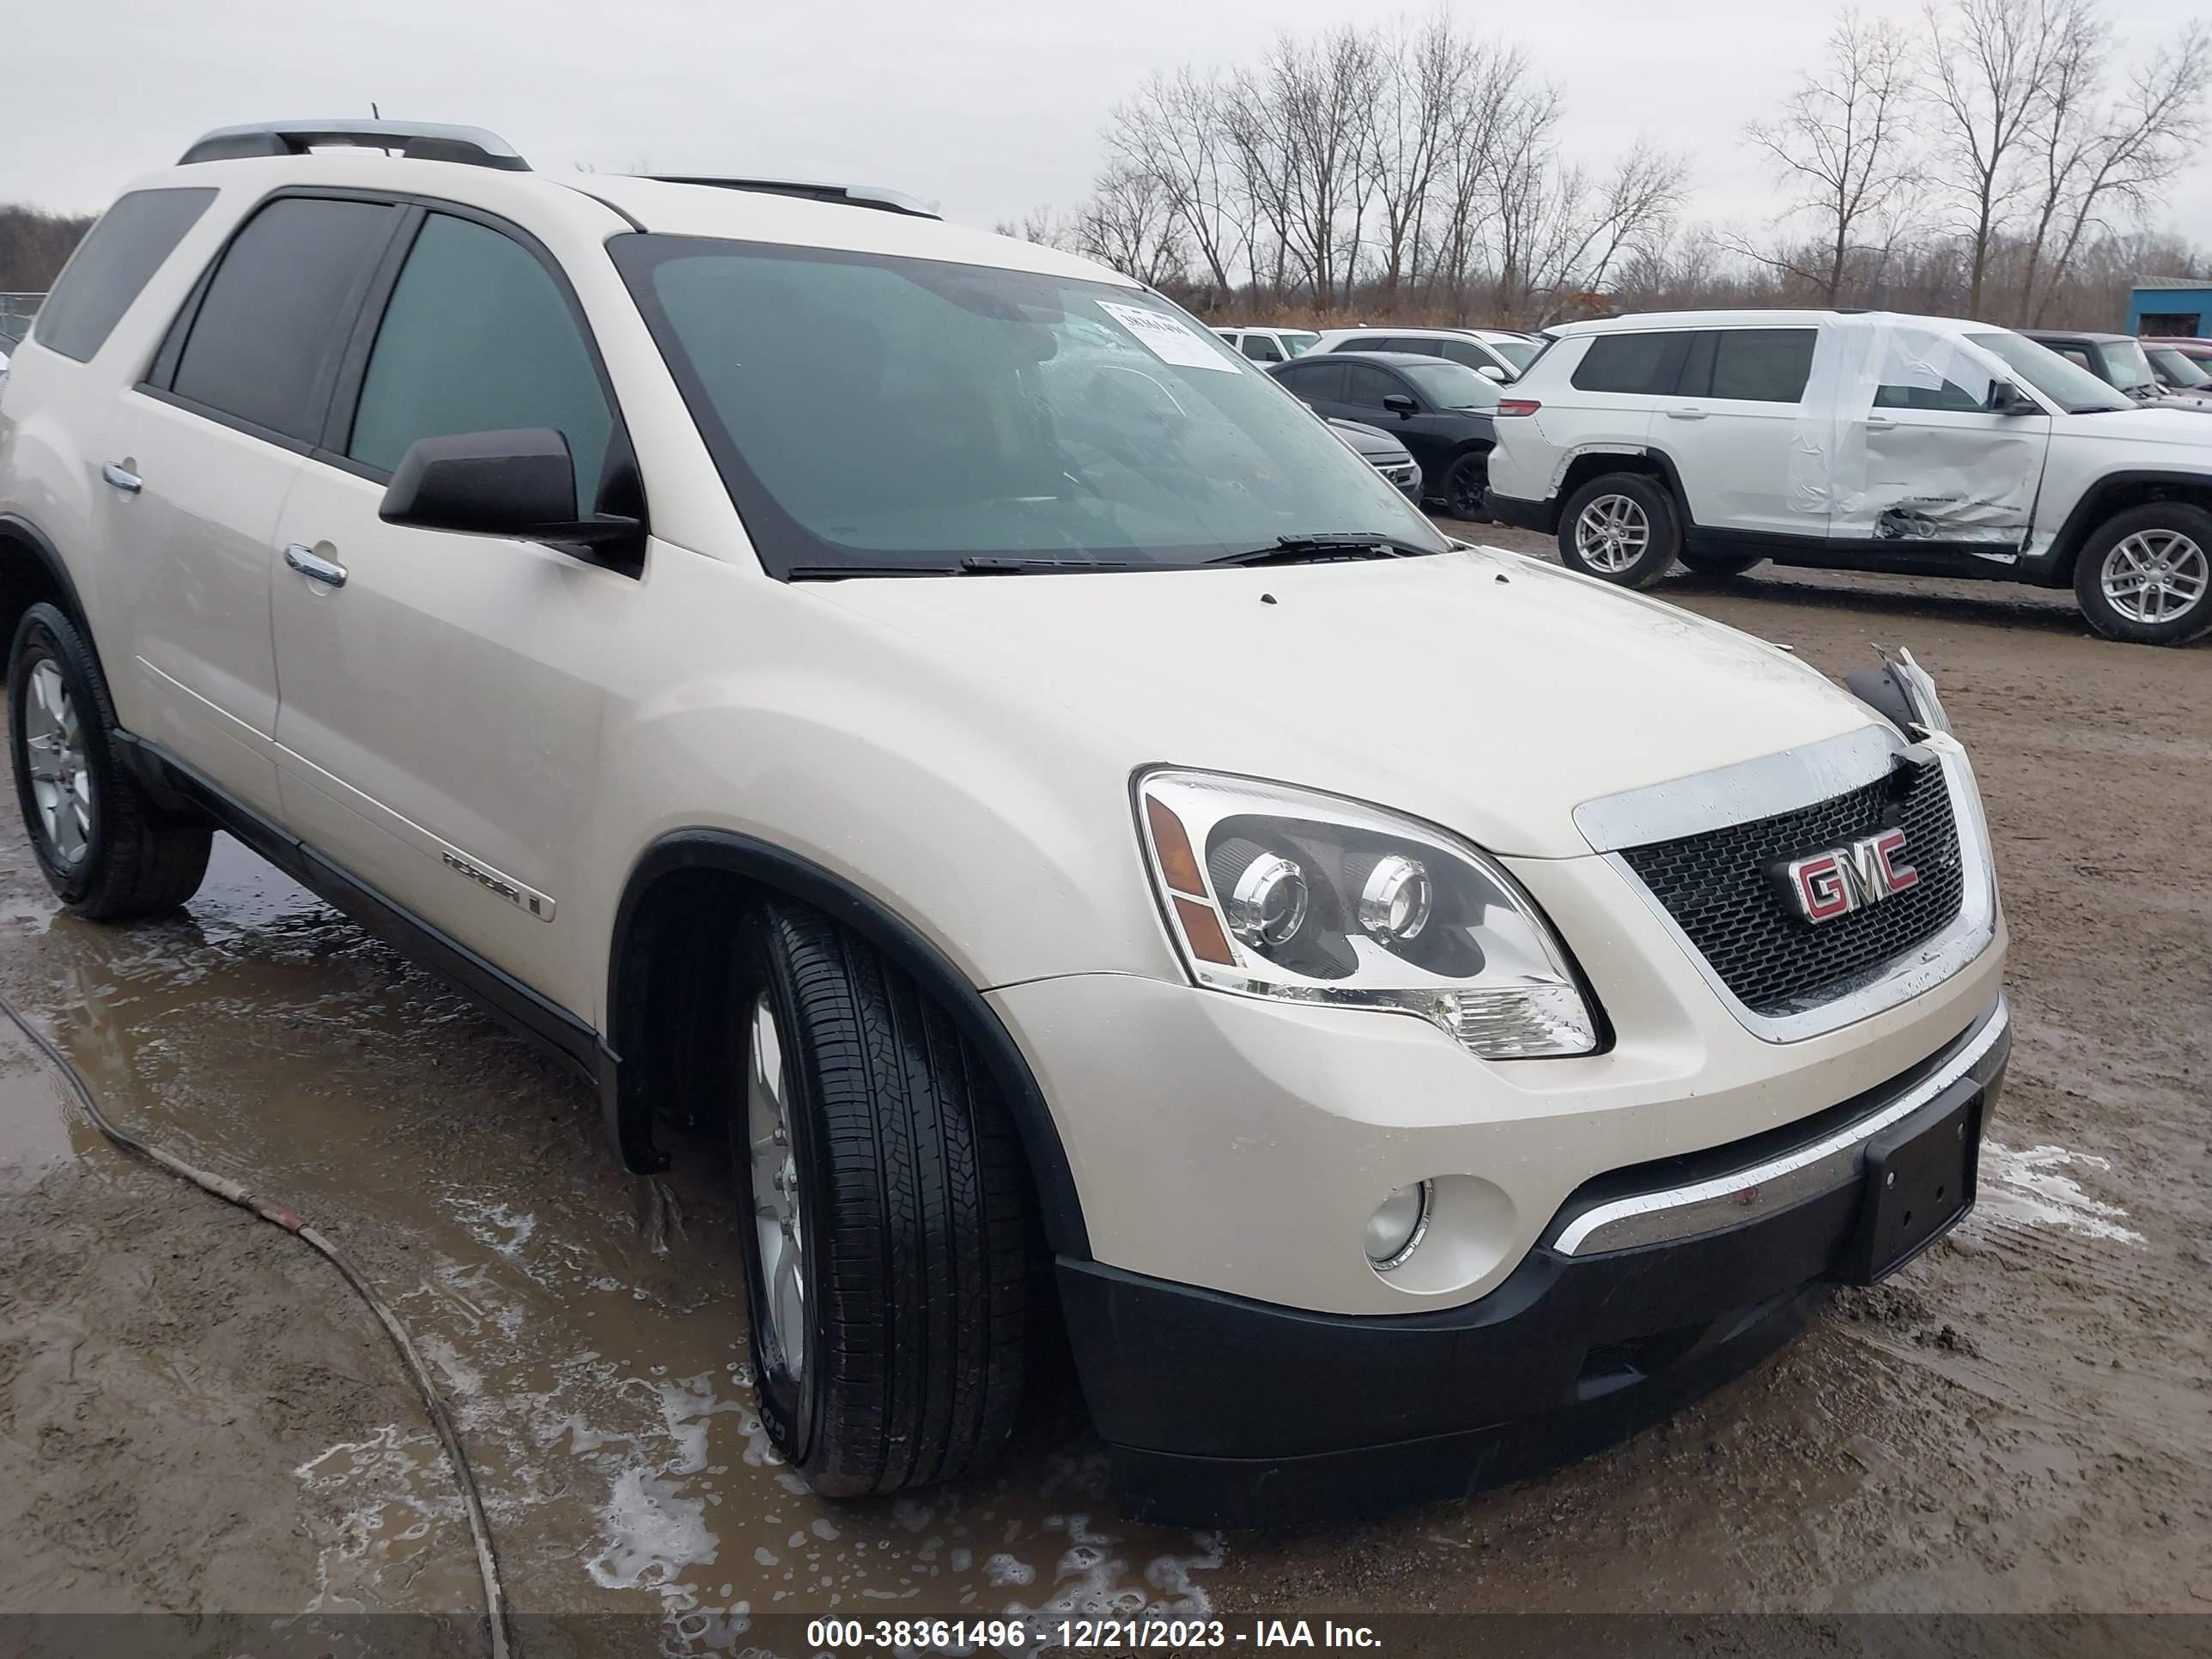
2029,1189
587,1326
37,1113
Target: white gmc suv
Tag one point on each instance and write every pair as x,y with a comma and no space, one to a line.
1861,441
920,703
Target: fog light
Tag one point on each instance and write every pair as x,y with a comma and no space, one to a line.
1394,1232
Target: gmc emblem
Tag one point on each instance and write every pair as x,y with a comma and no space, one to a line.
1826,885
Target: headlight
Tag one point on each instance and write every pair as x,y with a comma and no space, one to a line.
1278,892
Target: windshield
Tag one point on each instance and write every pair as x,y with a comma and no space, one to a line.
2129,368
1519,353
868,411
2177,367
1297,342
1454,386
2074,389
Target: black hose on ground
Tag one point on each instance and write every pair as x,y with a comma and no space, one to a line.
231,1192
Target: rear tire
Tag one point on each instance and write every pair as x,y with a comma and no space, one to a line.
1720,564
2145,575
107,851
897,1360
1621,528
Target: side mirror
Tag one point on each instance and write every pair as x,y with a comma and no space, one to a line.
1491,372
1399,404
2006,398
519,483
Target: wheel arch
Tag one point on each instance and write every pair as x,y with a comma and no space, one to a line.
2116,492
32,571
681,899
1649,462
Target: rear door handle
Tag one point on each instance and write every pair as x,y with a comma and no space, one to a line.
1692,414
315,568
128,483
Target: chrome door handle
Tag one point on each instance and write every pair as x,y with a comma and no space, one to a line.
313,568
1686,414
1881,423
128,483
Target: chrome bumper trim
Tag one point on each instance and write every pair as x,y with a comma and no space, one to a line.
1744,1195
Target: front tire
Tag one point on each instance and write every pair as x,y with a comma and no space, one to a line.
884,1236
1465,482
2146,575
107,851
1620,528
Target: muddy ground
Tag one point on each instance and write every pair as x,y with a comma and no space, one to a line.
195,1415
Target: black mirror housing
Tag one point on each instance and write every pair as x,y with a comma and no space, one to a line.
519,483
1399,403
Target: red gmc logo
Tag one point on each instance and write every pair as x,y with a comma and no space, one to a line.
1842,879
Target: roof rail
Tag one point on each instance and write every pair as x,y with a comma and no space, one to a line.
866,196
418,141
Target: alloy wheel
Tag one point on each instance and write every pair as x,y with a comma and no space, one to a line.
1612,534
61,780
778,1212
2155,576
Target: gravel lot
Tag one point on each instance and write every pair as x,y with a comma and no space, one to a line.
194,1415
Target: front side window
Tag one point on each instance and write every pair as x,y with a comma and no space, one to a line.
479,337
2074,390
117,259
1298,342
1367,386
868,410
264,345
1640,364
1262,349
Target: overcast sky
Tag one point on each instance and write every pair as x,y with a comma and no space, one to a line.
985,107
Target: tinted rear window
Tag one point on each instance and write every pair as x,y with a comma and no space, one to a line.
1645,364
118,258
1761,365
264,346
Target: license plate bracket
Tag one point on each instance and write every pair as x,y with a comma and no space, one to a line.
1918,1180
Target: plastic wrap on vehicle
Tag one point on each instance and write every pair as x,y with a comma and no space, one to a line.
1893,441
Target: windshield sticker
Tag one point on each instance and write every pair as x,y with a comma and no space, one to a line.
1166,338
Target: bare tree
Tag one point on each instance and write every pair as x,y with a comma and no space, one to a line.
2095,157
1424,82
1841,145
1992,66
1175,129
1130,224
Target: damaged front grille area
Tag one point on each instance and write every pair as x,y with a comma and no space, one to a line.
1720,890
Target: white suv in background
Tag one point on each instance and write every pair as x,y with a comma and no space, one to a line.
1493,353
1270,345
918,705
1914,446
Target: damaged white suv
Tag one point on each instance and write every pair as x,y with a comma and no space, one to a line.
919,703
1860,441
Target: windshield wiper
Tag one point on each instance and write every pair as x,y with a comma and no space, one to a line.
973,564
1312,550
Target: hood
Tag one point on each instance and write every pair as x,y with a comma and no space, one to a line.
1370,441
2164,420
1480,690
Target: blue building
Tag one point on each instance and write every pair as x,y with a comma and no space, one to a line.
2172,304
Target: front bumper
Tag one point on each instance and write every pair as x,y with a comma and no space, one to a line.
1222,1411
1405,474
